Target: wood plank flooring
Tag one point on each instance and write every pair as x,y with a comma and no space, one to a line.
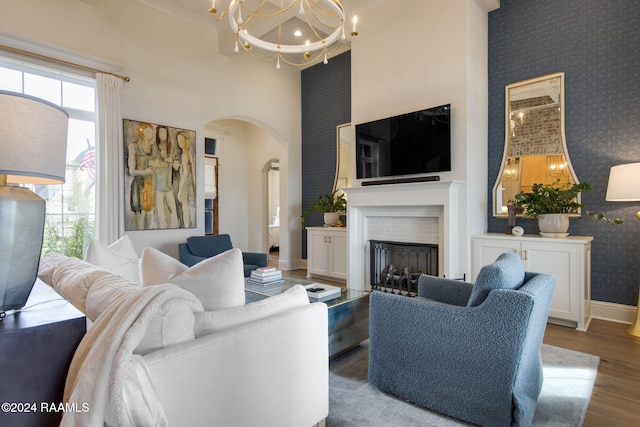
615,400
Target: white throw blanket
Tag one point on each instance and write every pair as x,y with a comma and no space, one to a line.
107,384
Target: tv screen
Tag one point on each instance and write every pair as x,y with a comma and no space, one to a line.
408,144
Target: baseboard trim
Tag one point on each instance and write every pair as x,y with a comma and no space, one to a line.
612,312
292,265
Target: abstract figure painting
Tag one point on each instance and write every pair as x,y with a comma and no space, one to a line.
159,176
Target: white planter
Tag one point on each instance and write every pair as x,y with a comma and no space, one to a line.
553,225
331,218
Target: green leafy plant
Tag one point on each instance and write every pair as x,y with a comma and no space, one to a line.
600,216
551,198
329,202
557,198
78,234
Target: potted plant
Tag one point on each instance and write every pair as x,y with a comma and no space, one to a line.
551,204
332,204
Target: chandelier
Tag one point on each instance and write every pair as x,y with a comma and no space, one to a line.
517,120
557,166
297,32
511,169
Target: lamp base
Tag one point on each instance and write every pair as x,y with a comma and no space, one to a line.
634,329
21,233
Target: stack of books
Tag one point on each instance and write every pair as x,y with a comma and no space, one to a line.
266,276
320,292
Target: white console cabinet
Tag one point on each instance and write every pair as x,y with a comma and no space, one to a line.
327,252
567,258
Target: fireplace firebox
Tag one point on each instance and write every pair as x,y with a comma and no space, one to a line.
396,266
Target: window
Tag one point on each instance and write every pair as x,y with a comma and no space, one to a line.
70,209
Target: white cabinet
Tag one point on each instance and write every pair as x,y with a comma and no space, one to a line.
327,252
567,258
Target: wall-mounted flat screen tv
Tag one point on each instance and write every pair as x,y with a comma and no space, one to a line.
408,144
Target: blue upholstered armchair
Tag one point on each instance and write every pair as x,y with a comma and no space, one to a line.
471,351
198,248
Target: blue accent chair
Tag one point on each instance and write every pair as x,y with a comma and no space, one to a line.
470,351
199,248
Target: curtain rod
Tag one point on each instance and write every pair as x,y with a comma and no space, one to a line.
60,61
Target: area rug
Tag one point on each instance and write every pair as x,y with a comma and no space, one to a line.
568,382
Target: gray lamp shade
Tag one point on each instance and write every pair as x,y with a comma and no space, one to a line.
33,140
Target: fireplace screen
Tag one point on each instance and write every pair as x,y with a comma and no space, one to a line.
396,266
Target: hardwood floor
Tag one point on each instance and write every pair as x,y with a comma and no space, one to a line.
615,400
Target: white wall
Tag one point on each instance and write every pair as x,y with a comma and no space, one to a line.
424,54
233,182
177,79
262,148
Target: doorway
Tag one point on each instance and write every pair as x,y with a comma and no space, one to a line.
273,209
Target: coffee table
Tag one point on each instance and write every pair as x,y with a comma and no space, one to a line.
348,313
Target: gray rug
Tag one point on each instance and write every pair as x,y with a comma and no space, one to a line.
568,381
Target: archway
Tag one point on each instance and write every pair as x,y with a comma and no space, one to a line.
246,149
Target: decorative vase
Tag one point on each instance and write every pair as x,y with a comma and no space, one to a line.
553,225
331,218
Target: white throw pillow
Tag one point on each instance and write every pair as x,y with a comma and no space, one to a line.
218,282
209,322
119,258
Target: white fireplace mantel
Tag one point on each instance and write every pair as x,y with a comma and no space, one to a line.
441,199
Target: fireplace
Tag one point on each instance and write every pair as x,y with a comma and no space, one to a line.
396,266
440,204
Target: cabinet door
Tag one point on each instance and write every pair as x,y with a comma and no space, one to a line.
487,250
338,255
317,257
558,260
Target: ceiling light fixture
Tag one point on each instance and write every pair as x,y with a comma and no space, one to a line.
258,27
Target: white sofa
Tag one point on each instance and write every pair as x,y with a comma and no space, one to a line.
162,360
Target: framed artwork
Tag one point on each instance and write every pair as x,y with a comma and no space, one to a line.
159,176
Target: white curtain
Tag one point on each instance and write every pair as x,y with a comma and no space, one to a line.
110,160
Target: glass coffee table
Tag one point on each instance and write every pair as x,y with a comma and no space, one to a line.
348,313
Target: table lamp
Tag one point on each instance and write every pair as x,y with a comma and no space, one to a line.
624,186
33,150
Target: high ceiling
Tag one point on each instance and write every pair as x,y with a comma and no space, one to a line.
196,13
192,11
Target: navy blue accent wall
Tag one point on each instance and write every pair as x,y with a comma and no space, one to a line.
597,45
326,103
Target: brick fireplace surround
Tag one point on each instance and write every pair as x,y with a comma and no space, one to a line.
441,200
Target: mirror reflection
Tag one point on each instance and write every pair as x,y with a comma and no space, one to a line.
535,147
344,140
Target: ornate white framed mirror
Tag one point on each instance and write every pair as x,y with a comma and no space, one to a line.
535,149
